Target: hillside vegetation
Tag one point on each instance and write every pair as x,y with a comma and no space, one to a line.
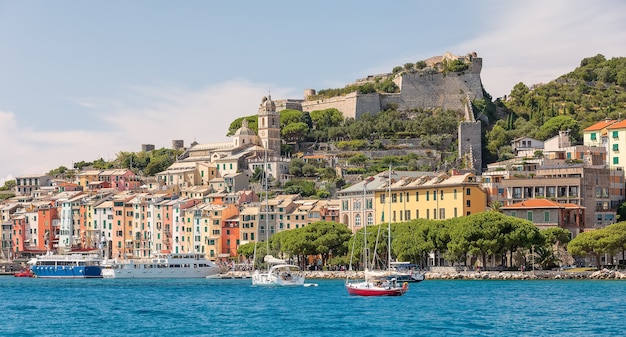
592,92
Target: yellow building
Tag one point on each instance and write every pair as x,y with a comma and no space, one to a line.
86,177
438,198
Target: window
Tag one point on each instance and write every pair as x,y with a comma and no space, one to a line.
427,213
455,193
593,136
370,219
529,215
615,134
357,220
442,213
382,198
468,203
615,147
441,197
615,160
468,191
435,195
427,195
455,212
546,216
417,196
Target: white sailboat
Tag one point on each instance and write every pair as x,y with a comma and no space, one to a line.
279,272
372,285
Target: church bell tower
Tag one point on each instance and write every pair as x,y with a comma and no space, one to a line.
269,126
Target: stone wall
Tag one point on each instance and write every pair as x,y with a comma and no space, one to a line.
418,89
346,104
470,143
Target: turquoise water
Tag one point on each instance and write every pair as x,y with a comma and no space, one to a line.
201,307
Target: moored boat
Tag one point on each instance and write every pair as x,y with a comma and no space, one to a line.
401,272
24,273
279,274
386,285
66,266
175,265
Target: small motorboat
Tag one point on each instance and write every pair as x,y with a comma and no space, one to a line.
24,273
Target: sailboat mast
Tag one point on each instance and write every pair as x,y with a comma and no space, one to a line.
389,223
267,221
364,228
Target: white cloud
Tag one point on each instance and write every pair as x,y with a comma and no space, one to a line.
147,115
537,41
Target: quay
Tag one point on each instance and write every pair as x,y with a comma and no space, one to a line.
465,275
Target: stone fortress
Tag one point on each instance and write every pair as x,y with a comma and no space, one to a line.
426,88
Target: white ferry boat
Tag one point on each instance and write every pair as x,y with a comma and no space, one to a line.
175,265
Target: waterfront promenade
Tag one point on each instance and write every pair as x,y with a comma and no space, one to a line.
468,275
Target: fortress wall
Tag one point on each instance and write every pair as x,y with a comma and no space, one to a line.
438,90
346,104
292,104
470,142
367,103
417,90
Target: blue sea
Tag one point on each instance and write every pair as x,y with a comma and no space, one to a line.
202,307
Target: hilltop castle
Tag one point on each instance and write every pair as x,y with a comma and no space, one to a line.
430,87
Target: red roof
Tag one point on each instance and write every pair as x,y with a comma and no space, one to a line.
618,125
536,203
600,125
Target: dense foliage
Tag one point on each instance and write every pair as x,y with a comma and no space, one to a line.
592,92
610,240
460,241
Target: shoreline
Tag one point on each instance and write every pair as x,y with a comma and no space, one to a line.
604,274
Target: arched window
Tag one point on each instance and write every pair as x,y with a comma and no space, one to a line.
357,220
370,219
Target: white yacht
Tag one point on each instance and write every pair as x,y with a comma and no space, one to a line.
175,265
280,273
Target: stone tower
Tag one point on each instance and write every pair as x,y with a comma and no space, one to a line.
470,141
269,126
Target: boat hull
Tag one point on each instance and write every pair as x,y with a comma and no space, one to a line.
175,265
67,271
160,272
24,273
280,275
369,289
414,278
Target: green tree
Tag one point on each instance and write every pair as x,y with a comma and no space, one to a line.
358,159
295,167
8,185
552,127
295,132
323,119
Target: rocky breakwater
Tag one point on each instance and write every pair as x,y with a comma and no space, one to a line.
507,275
604,274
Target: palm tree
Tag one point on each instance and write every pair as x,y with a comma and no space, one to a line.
496,206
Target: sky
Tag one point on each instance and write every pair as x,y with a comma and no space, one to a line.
83,80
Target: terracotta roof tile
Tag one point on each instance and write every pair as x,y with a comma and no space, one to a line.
600,125
618,125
